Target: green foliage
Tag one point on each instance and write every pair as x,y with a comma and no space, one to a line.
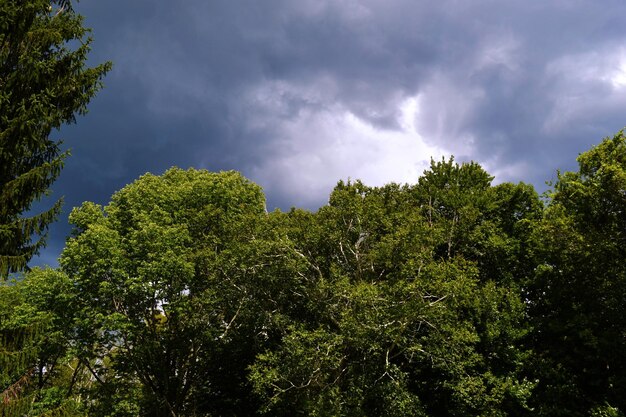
396,321
37,375
188,298
44,83
450,297
605,411
579,287
164,277
184,297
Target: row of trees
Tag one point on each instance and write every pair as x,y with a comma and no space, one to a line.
450,297
183,297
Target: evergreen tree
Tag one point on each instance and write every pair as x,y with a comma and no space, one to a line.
44,83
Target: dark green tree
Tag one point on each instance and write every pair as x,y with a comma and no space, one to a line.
578,294
44,84
409,307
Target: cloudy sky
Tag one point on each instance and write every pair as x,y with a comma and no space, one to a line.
297,94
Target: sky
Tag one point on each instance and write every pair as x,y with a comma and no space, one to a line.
297,94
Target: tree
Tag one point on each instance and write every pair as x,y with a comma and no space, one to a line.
408,307
480,222
172,280
38,375
44,84
578,292
184,297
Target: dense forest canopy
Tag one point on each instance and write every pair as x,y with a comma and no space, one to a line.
449,297
183,296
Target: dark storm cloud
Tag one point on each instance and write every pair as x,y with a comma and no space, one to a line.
538,78
297,93
185,77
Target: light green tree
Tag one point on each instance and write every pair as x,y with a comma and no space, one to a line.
38,374
170,282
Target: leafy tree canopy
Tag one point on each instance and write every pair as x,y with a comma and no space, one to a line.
449,297
385,302
580,285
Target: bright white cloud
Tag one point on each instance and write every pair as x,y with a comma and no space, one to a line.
446,105
618,75
318,146
607,66
583,84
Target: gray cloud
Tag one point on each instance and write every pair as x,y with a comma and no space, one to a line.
297,94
